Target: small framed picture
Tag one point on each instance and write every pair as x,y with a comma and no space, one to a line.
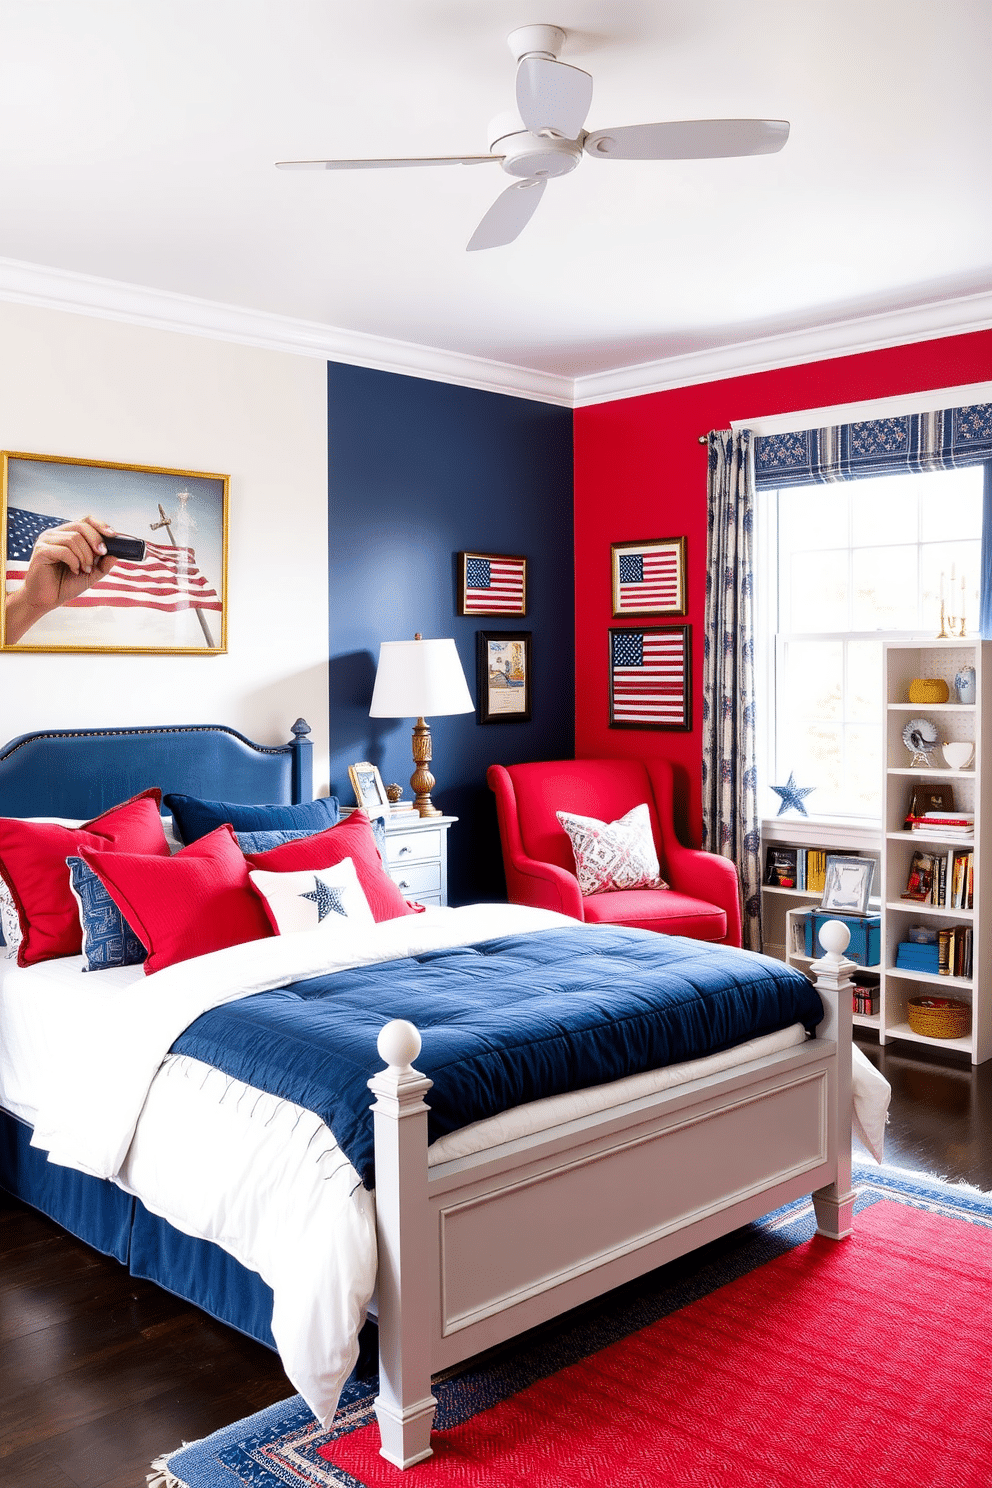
504,676
848,885
491,584
370,793
649,577
650,678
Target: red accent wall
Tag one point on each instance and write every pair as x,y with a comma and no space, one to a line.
640,473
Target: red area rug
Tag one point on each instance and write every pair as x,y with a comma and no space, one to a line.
769,1359
866,1362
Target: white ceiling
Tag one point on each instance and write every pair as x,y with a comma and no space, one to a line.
138,141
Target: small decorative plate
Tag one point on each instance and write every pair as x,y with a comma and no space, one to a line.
920,737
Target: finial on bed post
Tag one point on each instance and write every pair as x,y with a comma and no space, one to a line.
404,1405
834,1205
302,762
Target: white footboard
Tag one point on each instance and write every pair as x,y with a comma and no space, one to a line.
477,1250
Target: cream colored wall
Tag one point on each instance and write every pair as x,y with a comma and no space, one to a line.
99,389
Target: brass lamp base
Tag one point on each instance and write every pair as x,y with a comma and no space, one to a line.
422,782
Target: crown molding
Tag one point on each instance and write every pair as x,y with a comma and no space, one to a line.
163,310
108,299
927,322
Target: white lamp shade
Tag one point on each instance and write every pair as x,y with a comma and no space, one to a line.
419,679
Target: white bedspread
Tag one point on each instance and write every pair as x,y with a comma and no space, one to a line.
85,1058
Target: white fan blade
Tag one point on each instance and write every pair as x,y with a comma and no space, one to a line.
689,139
384,164
552,97
508,215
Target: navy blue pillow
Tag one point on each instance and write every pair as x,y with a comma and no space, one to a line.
108,939
194,818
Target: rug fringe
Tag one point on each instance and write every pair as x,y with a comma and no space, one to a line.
160,1476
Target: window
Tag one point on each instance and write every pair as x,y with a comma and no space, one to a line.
840,568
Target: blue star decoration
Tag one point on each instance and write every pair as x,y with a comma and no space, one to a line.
326,900
792,795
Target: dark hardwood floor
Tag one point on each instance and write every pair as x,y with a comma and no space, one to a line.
100,1373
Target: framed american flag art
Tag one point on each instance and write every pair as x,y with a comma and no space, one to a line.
491,584
650,678
98,556
649,577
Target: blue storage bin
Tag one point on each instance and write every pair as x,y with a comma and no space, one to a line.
865,948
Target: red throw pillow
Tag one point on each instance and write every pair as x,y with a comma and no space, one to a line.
32,863
199,900
352,839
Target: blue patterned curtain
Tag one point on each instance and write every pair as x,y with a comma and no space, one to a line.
730,798
943,440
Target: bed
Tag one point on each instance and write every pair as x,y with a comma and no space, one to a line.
475,1231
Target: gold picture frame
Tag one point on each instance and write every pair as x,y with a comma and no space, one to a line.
492,584
167,595
370,793
649,577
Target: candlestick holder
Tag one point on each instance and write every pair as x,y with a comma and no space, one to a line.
943,634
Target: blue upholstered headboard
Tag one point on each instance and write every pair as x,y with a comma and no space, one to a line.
81,772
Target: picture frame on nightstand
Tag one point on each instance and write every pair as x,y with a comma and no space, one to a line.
370,793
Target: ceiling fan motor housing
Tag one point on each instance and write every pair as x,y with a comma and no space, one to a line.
533,155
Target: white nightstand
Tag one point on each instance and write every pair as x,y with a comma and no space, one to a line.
417,854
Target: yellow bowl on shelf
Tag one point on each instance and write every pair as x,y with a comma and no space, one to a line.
938,1017
928,690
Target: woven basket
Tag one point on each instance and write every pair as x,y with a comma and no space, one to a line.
928,690
938,1017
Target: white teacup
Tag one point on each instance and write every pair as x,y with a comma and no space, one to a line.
958,754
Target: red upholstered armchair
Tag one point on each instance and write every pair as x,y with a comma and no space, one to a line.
703,900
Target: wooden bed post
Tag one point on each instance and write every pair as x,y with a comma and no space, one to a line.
834,1205
404,1405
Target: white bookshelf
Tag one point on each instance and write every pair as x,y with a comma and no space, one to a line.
902,661
778,905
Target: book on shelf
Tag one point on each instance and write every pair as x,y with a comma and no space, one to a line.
920,882
946,880
802,868
955,951
781,867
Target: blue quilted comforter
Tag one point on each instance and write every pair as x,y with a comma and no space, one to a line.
504,1022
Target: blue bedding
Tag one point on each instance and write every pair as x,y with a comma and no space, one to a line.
504,1022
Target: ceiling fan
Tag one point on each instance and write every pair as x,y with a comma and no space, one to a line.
545,137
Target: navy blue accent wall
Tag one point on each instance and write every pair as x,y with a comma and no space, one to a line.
419,471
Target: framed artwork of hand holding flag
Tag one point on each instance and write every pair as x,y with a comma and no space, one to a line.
108,557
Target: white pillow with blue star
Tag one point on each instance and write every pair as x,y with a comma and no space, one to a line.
322,899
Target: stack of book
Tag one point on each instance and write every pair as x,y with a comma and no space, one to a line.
945,879
954,951
910,956
947,825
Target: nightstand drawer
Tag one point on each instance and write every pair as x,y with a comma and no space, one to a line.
417,878
412,847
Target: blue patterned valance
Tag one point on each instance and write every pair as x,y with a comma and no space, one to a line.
941,440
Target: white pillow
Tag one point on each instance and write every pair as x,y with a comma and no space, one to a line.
314,899
614,855
10,924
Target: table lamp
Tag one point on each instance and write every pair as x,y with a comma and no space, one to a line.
413,679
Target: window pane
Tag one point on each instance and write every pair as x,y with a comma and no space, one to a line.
885,589
818,592
812,682
880,508
864,680
950,503
863,773
813,518
964,558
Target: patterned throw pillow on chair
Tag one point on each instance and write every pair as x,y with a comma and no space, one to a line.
614,855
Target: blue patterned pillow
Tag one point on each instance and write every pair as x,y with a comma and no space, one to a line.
258,842
108,939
